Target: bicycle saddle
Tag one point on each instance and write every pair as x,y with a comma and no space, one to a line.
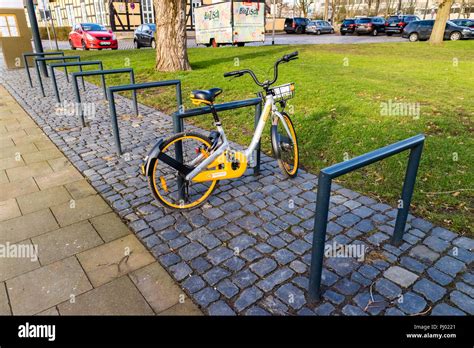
205,96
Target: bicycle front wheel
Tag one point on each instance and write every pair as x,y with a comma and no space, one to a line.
170,187
285,145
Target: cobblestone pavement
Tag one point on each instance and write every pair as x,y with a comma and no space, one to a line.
79,265
247,251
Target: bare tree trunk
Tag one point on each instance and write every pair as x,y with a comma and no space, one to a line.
350,7
426,8
461,7
358,6
377,6
336,9
326,9
304,7
387,9
171,51
442,16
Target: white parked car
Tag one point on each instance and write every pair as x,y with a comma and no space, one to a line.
319,27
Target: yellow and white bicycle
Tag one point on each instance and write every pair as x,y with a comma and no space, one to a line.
183,183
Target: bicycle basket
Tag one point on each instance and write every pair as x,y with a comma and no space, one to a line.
283,92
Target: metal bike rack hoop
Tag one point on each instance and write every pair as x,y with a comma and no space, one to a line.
46,59
70,64
102,73
415,145
42,54
180,115
134,87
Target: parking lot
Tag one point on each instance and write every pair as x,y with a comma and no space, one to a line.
280,39
311,39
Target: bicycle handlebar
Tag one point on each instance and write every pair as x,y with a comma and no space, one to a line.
233,73
285,59
290,56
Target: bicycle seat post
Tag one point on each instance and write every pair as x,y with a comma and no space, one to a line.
217,121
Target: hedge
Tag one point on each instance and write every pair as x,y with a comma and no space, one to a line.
62,33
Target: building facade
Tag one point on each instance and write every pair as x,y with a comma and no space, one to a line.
342,8
126,15
120,15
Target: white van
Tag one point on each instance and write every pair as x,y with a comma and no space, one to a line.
230,23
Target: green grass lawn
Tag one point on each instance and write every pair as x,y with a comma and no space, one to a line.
337,110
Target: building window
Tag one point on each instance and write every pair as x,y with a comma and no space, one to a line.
83,12
195,3
59,17
8,26
100,12
90,12
70,15
147,11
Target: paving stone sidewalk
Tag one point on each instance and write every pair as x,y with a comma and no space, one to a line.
88,261
247,251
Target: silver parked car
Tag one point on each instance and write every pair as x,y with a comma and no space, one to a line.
319,27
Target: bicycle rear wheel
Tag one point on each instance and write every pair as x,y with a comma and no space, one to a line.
170,187
285,145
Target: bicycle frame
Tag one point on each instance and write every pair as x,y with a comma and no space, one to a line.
215,159
269,108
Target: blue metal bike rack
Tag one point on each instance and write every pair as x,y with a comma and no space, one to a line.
134,87
180,115
415,145
102,73
178,126
70,64
45,59
42,54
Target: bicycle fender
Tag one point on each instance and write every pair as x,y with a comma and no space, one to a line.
149,161
275,137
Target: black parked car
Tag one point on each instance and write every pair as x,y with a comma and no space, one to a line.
463,22
144,36
348,26
421,30
370,25
296,25
395,24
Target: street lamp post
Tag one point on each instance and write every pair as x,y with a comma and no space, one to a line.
52,26
35,32
273,25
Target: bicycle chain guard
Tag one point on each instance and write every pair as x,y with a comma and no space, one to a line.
234,162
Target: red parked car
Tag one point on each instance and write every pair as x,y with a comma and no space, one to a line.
91,35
